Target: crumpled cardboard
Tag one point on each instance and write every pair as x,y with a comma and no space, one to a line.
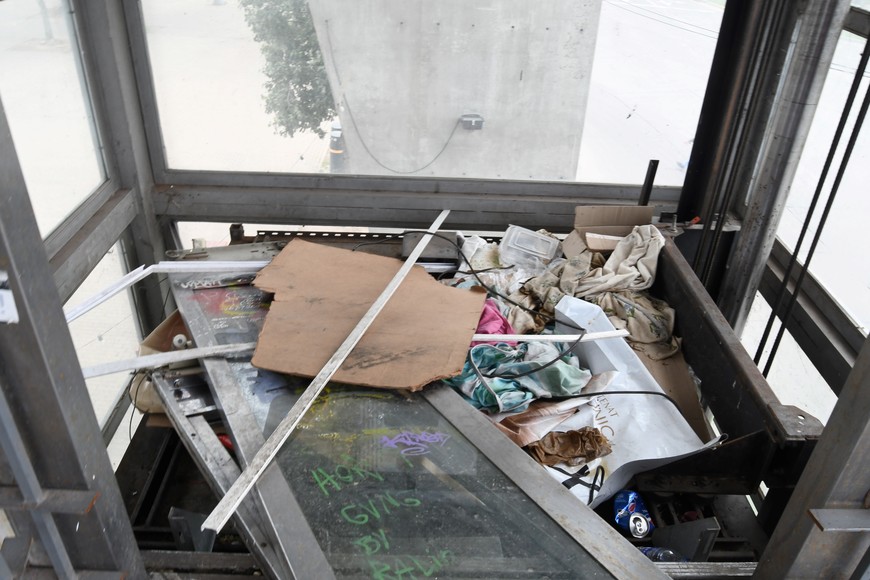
321,293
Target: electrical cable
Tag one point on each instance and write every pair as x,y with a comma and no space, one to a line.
540,368
835,142
387,238
491,290
597,483
147,377
378,161
359,133
656,393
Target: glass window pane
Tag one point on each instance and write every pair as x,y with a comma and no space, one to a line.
792,376
107,333
490,90
48,111
652,62
387,484
211,92
834,263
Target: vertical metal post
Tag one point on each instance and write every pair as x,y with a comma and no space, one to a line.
764,179
646,190
722,112
47,397
25,477
836,477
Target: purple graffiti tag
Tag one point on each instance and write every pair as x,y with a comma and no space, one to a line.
414,443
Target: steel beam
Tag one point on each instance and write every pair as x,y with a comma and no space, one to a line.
31,490
47,396
858,22
63,233
722,116
220,470
51,500
764,179
386,202
836,476
404,184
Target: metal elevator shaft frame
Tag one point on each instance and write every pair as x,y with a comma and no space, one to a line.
55,437
767,76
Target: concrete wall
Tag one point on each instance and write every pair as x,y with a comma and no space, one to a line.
403,71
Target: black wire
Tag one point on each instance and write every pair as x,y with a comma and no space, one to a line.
493,269
656,393
540,368
596,479
715,32
378,161
386,238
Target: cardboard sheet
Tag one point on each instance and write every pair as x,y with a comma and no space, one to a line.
321,293
672,374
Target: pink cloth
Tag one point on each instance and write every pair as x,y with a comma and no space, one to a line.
492,322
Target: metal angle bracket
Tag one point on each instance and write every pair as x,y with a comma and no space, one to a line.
842,520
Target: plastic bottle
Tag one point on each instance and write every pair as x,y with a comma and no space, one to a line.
662,555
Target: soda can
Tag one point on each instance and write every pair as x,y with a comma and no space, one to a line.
631,514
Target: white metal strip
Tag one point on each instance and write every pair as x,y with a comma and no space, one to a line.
166,358
140,273
230,502
588,337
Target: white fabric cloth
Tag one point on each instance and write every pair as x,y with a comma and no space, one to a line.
631,266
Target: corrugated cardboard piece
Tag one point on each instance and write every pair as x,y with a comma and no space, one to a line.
321,293
608,220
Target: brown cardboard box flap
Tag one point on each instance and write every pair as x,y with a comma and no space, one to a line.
608,220
612,215
321,293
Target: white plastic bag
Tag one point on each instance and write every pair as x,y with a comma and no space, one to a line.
645,431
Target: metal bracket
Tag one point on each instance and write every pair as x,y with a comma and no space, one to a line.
841,520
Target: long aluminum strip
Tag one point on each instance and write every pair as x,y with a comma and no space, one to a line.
142,272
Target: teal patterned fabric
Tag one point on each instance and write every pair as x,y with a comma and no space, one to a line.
502,393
